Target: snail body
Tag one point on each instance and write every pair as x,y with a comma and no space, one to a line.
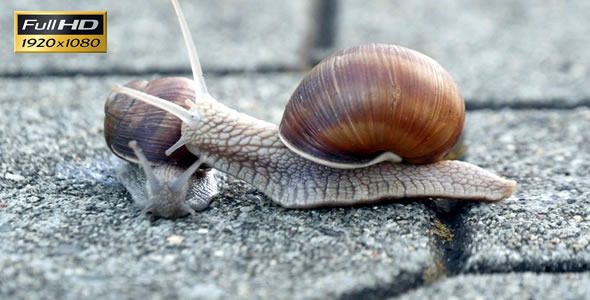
252,150
346,129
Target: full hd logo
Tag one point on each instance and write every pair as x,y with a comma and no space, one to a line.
57,31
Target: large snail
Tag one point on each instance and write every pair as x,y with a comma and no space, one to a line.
367,123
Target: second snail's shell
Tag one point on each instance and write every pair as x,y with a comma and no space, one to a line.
368,100
127,119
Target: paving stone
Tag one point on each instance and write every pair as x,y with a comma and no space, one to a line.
70,231
507,286
70,228
229,35
265,95
501,52
545,226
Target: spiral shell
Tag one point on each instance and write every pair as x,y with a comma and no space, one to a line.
372,103
155,130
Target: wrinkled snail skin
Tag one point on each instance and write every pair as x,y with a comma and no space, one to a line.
251,150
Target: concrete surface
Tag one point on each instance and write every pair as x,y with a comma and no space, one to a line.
69,229
507,286
230,35
547,226
524,53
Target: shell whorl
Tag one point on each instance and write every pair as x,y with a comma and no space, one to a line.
368,100
155,130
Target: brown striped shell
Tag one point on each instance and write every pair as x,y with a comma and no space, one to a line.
155,130
372,103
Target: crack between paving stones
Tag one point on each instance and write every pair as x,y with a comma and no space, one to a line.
151,72
453,253
450,238
470,105
321,32
450,244
522,104
448,261
325,15
402,285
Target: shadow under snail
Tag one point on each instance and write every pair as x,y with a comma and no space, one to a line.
368,123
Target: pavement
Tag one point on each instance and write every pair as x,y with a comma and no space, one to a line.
69,230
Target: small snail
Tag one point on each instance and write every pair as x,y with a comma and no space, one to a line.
368,123
140,134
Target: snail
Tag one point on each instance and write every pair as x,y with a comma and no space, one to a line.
368,123
169,186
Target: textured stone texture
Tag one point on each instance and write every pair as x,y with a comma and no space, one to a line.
144,35
507,286
546,225
502,53
69,229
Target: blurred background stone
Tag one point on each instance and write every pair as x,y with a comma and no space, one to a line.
144,36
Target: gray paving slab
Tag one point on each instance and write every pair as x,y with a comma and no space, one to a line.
507,286
70,231
503,53
144,35
546,225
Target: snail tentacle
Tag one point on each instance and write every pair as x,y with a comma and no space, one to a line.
200,85
152,184
189,117
181,142
169,199
181,183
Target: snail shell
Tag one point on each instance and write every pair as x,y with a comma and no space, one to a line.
155,130
372,103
